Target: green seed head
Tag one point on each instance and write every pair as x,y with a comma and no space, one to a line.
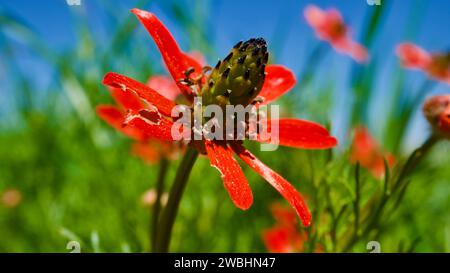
238,79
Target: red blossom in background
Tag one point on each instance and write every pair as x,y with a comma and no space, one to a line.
152,151
151,118
166,86
10,198
284,236
282,239
437,111
367,152
329,26
162,82
435,65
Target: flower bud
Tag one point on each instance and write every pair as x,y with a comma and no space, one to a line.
440,66
238,79
437,111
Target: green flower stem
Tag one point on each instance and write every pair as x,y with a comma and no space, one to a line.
400,123
357,201
313,61
176,192
163,167
398,183
414,159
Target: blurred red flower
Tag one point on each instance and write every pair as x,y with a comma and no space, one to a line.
11,198
329,26
437,111
284,236
282,239
153,150
153,119
367,152
435,65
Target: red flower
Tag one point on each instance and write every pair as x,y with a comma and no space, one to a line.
329,26
437,111
153,119
435,65
284,237
162,82
281,239
366,151
153,150
284,216
10,198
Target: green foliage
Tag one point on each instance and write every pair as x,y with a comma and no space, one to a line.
79,181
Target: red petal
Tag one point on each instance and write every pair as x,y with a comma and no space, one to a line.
121,82
111,114
278,239
314,16
151,124
364,147
221,157
377,168
147,152
284,216
114,117
299,134
367,152
279,80
444,124
198,57
325,23
127,99
165,86
177,62
359,53
279,183
413,56
355,50
437,111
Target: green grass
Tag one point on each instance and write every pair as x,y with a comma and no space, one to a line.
80,182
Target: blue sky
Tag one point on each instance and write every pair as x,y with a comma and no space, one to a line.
279,21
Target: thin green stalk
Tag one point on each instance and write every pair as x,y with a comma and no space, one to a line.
312,63
356,204
163,167
398,183
415,158
406,110
334,227
176,192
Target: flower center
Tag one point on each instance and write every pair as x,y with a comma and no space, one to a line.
440,64
337,30
238,79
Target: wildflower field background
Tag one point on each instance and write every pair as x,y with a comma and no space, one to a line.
65,175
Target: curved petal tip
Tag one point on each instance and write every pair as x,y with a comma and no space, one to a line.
142,13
